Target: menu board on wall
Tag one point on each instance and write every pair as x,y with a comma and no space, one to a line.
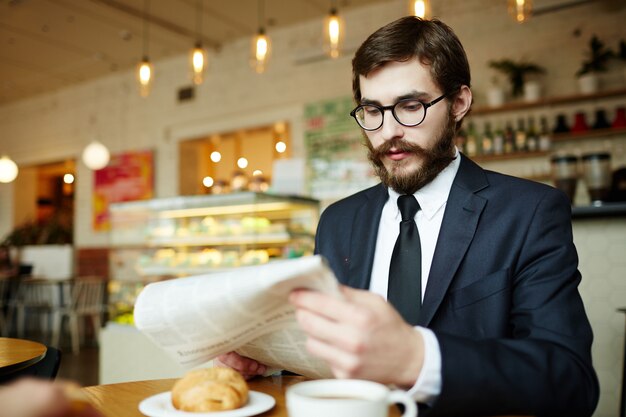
128,176
337,164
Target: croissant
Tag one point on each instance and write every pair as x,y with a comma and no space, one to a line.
210,389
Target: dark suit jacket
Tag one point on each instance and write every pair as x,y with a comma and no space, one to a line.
501,297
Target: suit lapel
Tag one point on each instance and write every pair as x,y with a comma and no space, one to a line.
463,210
364,234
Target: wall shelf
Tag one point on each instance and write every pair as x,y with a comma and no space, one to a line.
509,156
546,102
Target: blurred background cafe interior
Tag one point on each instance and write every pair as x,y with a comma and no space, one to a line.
147,140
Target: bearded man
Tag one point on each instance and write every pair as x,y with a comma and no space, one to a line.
460,284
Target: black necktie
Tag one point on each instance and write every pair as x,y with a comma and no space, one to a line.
405,271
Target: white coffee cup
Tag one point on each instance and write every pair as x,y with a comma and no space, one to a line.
345,398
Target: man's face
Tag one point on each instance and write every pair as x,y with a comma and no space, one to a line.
407,158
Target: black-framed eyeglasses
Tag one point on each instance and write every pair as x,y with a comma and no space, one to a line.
408,112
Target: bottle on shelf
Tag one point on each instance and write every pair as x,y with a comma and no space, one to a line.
461,140
545,143
498,140
487,140
471,146
532,137
601,121
520,136
561,124
580,123
509,138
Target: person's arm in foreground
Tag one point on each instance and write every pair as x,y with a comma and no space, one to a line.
31,397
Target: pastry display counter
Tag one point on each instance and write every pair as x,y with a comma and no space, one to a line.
176,237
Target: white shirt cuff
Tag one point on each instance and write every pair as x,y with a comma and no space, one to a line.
428,385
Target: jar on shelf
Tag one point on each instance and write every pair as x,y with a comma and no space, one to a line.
565,174
597,175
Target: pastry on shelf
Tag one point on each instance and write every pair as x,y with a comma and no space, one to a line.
255,257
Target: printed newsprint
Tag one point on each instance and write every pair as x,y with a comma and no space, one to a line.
245,310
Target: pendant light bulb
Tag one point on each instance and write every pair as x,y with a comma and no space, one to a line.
96,156
8,170
145,76
198,64
419,8
520,10
260,51
333,33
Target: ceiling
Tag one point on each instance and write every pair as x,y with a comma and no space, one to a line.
46,45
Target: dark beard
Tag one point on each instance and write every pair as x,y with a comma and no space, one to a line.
433,160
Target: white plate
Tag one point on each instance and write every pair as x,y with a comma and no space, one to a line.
160,405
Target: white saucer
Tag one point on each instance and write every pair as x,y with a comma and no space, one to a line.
160,405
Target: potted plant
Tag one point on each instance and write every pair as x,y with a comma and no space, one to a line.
596,61
45,245
518,74
495,92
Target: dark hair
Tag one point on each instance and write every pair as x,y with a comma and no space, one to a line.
431,41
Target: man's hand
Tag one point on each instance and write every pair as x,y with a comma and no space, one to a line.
361,336
247,367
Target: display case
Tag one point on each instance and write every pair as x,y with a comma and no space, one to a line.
175,237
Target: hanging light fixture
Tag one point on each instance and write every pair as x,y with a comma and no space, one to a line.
520,10
242,162
198,55
333,32
419,8
280,146
8,169
96,156
260,44
145,69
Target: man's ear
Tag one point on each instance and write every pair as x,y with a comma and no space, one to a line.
462,103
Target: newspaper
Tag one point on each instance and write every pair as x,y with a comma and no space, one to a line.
245,310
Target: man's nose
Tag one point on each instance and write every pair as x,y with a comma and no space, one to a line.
391,128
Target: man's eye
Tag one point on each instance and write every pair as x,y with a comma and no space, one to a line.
410,106
371,111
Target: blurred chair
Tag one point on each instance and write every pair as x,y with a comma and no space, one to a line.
86,300
36,296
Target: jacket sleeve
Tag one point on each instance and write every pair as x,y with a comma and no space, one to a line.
544,368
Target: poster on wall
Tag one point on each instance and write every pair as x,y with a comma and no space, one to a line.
128,176
336,158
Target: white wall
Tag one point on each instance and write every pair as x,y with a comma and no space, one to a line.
59,125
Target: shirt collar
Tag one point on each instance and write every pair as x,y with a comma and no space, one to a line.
434,195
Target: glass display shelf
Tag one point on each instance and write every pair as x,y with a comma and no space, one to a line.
176,237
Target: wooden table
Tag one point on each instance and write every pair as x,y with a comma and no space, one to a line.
16,354
123,399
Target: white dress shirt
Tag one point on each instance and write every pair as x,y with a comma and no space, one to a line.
432,199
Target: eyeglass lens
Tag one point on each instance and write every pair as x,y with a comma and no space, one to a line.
406,112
